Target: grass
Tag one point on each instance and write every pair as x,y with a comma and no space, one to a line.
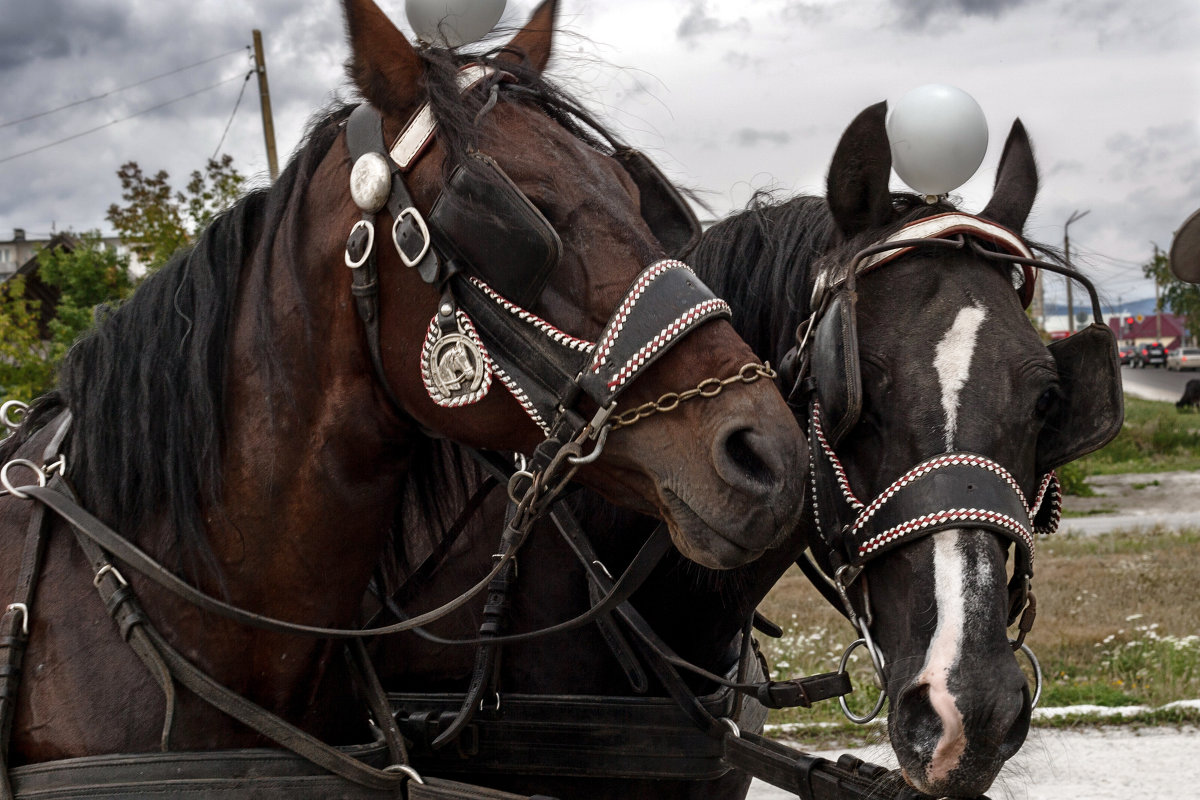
1118,625
1156,437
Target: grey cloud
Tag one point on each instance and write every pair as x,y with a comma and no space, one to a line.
55,29
808,13
917,14
698,23
751,137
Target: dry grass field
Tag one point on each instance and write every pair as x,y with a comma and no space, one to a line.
1118,623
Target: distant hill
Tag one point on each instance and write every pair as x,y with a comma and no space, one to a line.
1135,307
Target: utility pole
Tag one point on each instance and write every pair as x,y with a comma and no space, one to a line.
264,95
1075,216
1157,299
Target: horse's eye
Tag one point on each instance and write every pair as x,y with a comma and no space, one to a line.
1047,404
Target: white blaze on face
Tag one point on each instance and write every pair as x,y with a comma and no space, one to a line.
952,361
953,364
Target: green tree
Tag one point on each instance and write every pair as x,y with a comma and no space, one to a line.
1180,297
25,367
155,220
86,274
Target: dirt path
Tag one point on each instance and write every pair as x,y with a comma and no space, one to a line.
1136,501
1102,764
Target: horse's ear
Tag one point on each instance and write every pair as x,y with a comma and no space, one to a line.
383,64
533,43
857,190
1016,182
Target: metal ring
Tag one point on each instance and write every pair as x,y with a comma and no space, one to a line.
850,715
24,462
107,568
493,708
1037,673
512,485
580,461
406,770
366,251
24,609
6,413
733,726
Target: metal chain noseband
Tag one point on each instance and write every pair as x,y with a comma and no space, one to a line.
709,387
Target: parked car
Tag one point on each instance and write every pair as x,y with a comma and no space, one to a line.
1152,354
1125,352
1182,358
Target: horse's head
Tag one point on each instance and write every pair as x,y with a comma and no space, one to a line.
947,373
515,239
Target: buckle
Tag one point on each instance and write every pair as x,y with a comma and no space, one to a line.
412,214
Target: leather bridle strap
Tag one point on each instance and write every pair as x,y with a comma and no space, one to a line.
129,554
772,694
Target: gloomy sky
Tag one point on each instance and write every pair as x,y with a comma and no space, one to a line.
731,96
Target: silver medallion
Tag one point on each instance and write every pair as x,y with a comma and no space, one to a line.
370,182
455,367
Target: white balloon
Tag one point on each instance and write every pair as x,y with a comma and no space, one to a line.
452,23
938,136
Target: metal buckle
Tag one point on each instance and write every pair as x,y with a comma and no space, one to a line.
109,569
405,769
419,221
24,609
367,250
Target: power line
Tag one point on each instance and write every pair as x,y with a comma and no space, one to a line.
116,121
121,89
236,103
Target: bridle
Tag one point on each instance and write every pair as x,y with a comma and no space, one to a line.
948,490
478,333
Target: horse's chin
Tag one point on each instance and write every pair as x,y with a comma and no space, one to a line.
700,541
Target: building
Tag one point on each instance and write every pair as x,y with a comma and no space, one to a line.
17,252
18,256
1144,328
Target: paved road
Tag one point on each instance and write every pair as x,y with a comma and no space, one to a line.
1155,383
1081,764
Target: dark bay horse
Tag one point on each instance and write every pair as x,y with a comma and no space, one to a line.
248,418
949,363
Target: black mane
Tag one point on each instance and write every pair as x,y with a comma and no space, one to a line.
145,386
763,261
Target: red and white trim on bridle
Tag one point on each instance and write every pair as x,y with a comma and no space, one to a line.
683,323
1021,529
953,515
949,225
944,226
552,333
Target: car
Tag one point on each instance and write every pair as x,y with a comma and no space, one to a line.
1182,358
1125,352
1151,354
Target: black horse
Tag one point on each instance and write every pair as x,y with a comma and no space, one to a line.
948,363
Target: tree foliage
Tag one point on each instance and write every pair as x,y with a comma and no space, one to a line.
155,220
86,274
1180,297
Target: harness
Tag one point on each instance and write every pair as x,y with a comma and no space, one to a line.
477,332
951,489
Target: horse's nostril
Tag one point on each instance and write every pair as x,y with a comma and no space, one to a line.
742,453
1015,735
